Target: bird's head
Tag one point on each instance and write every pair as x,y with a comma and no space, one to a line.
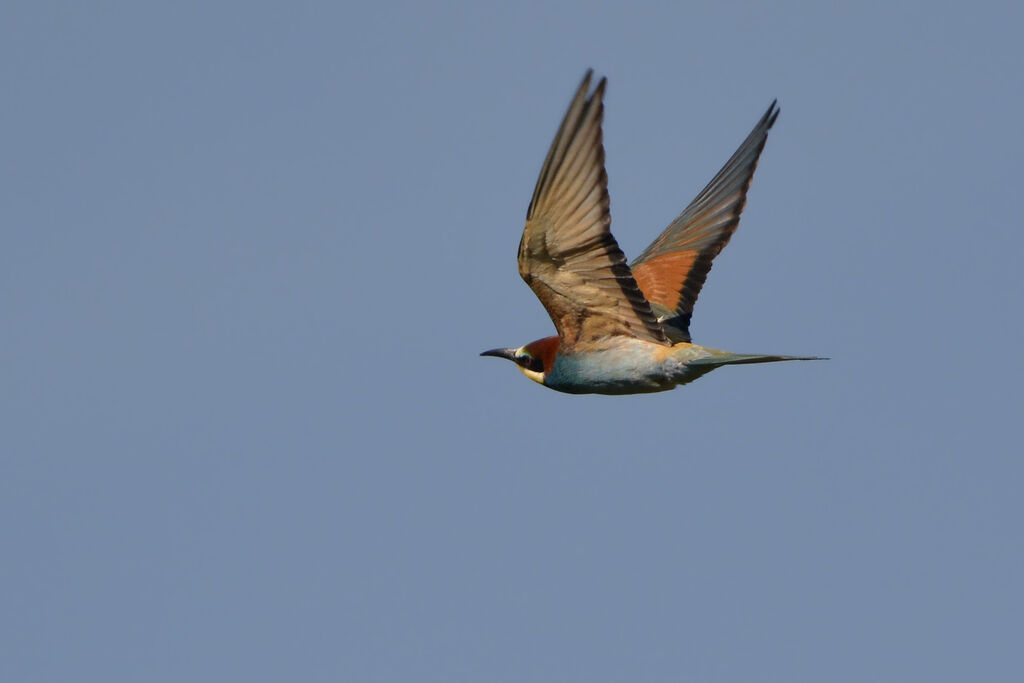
535,359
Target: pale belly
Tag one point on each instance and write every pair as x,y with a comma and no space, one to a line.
630,367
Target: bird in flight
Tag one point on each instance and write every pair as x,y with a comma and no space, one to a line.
622,328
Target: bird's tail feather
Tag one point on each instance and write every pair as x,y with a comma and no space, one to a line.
726,358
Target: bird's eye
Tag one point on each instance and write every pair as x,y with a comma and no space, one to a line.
530,363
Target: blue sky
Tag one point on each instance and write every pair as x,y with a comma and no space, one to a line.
250,253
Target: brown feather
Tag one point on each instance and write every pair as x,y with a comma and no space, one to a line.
672,271
567,255
657,277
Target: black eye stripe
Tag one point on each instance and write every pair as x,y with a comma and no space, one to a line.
530,363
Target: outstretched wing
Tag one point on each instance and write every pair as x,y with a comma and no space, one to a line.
568,255
672,270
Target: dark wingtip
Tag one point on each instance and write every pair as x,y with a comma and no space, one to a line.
598,91
772,114
585,83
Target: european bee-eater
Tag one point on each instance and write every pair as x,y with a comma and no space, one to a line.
622,329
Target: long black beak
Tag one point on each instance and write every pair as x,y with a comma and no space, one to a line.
510,354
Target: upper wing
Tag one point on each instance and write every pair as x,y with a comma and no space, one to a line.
672,270
568,255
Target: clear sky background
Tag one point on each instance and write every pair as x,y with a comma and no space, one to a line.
249,254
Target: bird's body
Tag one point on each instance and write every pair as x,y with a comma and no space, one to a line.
624,365
622,329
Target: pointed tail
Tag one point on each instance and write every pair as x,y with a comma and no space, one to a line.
726,358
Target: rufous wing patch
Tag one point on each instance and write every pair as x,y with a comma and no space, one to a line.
661,278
